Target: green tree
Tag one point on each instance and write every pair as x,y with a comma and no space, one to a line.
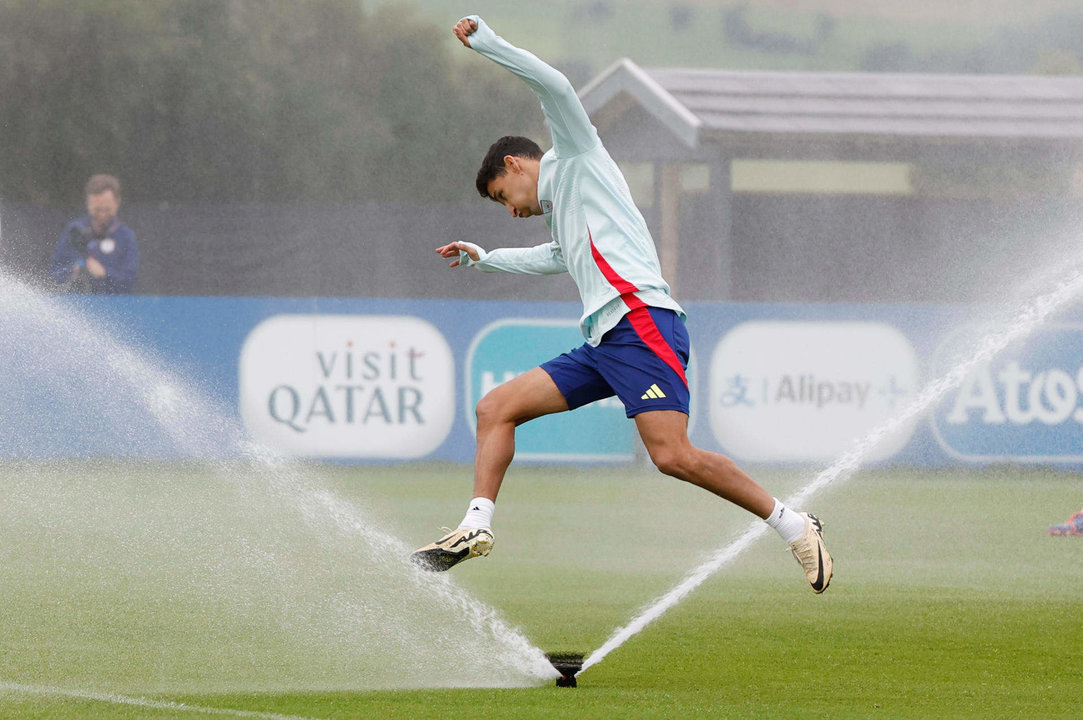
244,100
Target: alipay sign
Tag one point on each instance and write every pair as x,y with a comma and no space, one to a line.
806,391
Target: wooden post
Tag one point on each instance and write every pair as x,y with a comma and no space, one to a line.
721,211
670,210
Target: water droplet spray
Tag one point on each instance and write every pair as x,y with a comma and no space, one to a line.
1026,319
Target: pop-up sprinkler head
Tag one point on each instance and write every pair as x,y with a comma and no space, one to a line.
567,664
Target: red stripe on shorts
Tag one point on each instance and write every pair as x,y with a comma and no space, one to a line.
648,332
639,316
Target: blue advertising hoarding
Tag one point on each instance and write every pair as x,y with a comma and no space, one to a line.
508,348
365,380
1026,405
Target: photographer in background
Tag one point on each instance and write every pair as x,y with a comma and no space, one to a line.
97,253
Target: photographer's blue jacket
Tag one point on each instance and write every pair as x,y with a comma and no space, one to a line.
116,251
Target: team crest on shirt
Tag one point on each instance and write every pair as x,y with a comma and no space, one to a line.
546,206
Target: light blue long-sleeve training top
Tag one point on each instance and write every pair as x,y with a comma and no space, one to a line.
598,234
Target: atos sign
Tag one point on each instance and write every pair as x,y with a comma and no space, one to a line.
1025,406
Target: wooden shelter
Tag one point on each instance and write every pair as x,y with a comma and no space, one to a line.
927,141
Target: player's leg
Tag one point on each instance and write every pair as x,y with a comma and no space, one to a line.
504,408
643,359
665,435
565,382
529,396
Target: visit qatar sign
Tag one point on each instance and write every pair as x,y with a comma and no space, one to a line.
347,386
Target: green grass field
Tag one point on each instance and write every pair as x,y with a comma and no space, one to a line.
949,601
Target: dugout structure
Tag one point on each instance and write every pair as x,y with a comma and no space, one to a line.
758,186
846,187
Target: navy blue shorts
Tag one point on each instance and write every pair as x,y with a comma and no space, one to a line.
642,361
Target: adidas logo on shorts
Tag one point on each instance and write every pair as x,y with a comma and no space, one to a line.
653,393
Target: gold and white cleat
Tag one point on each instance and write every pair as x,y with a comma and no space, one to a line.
453,548
810,551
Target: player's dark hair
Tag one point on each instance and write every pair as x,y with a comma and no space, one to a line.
492,166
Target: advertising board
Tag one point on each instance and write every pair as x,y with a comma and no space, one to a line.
382,380
509,347
1024,406
805,391
347,386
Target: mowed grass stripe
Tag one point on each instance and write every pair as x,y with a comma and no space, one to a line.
950,600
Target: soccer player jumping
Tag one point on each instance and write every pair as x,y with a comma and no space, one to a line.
636,343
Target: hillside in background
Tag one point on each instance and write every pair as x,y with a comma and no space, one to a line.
585,36
344,101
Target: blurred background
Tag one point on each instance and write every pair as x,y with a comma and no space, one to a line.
846,151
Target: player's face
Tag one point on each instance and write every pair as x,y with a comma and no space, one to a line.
102,208
517,190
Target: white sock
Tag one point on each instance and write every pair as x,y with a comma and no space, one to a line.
479,513
786,522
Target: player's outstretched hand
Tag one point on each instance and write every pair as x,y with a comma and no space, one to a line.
464,29
452,250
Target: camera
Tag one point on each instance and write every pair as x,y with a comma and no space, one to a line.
79,238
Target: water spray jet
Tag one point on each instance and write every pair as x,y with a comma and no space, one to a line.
228,535
1022,322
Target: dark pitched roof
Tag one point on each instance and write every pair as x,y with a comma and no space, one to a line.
696,104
